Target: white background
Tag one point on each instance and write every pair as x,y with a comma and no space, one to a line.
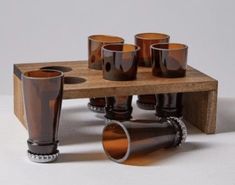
52,30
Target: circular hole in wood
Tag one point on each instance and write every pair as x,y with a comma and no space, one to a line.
108,67
73,80
58,68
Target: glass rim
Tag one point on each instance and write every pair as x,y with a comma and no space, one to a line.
154,46
92,38
61,74
137,48
139,36
128,150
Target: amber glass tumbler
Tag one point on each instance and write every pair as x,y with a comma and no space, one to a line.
126,140
170,61
144,41
120,64
42,92
95,59
95,43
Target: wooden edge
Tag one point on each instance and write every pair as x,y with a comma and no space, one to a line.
18,100
210,127
148,89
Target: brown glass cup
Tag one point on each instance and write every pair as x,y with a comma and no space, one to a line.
42,92
144,41
120,64
170,61
125,140
95,59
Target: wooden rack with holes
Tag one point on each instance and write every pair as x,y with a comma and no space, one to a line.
200,90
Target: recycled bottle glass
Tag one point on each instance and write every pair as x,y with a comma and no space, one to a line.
144,41
119,64
95,43
125,140
42,92
169,61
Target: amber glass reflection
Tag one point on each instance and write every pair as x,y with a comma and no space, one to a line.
42,91
95,43
118,108
125,140
169,104
144,41
169,60
120,62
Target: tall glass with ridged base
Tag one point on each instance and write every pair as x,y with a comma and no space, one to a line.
95,59
123,141
144,41
42,92
169,61
120,64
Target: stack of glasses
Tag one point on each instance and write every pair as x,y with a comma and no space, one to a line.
123,137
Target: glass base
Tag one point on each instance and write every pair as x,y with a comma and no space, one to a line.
43,158
96,108
119,116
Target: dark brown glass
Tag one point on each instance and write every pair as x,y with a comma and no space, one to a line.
120,62
170,61
169,104
118,108
42,92
95,59
144,41
95,44
125,140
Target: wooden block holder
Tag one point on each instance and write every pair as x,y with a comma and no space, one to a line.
200,90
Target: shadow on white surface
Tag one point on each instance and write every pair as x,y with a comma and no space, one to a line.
81,157
79,125
226,115
75,109
71,132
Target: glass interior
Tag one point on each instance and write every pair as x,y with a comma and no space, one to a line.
152,36
42,74
170,46
106,38
115,141
121,47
